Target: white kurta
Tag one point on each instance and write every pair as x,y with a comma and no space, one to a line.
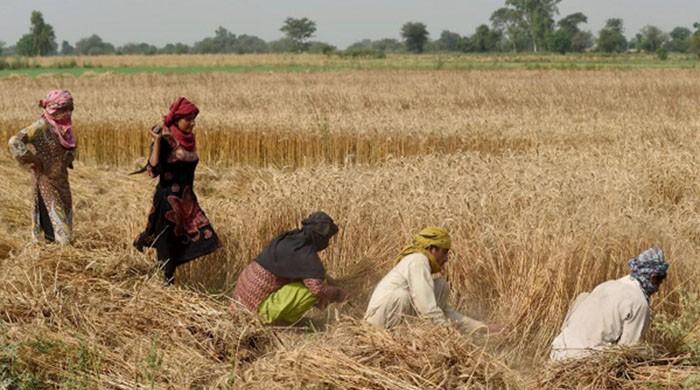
616,312
410,290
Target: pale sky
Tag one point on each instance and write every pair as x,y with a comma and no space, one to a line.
339,22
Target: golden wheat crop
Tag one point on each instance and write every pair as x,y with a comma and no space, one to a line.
548,181
293,120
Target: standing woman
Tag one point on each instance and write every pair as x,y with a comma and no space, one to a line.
177,227
49,157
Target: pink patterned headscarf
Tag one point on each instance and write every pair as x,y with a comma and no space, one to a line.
58,107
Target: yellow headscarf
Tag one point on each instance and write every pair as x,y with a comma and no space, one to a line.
429,236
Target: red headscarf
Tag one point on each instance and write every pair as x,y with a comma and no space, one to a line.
58,107
181,108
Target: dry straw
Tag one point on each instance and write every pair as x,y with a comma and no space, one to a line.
356,355
641,368
556,180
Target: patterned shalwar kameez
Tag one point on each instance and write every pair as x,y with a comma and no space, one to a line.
38,148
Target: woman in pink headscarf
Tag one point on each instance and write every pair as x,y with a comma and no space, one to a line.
47,148
177,227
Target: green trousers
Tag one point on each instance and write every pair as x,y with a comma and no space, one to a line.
286,305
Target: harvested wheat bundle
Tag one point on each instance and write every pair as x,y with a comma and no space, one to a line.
355,355
630,368
66,324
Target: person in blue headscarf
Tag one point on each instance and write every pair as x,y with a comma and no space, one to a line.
616,312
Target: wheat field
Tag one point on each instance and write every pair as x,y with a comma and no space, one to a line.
549,181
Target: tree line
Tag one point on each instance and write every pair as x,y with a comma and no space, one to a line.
518,26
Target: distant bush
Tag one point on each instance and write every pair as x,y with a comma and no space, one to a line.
93,45
89,65
662,53
66,64
362,53
175,48
17,63
321,48
137,48
386,45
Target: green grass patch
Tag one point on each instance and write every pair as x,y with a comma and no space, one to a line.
72,364
446,61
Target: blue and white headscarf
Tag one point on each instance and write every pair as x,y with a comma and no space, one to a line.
648,264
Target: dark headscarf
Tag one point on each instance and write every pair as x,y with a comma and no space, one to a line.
293,255
181,108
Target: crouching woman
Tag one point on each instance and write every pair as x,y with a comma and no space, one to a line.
287,278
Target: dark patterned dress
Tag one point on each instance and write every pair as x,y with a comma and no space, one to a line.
177,227
38,146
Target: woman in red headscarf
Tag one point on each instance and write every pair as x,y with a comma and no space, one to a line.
47,148
177,227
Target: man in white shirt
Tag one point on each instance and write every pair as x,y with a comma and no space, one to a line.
409,289
616,312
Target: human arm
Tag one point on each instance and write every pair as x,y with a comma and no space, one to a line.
158,151
635,321
466,324
154,158
18,144
324,292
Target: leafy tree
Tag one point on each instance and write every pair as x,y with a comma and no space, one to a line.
249,44
224,41
93,45
695,40
388,45
299,31
41,39
2,47
67,49
484,39
284,45
449,41
680,39
635,43
509,23
44,36
205,46
611,38
581,41
570,22
415,35
381,45
321,48
562,40
221,42
652,39
534,17
137,48
365,44
362,48
25,45
175,48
